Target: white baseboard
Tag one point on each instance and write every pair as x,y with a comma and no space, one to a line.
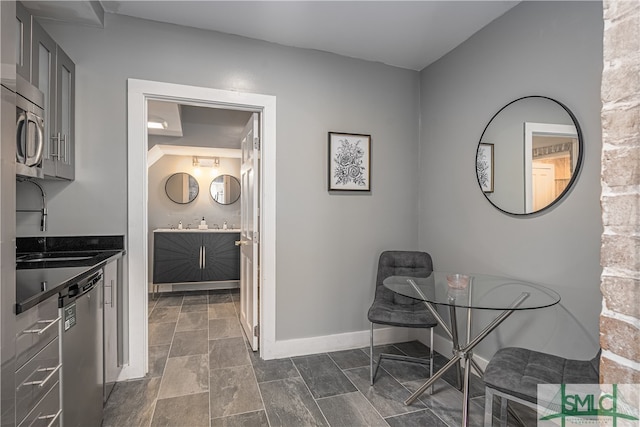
336,342
359,339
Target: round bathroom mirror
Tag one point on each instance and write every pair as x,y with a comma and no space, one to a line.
225,189
181,188
529,155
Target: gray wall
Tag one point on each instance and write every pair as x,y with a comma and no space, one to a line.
327,245
164,213
537,48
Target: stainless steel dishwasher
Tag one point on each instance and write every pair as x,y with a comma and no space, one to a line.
82,306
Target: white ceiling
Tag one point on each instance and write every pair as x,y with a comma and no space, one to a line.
406,34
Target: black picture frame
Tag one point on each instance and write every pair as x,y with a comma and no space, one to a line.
349,162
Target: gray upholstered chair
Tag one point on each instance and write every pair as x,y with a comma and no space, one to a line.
514,374
391,309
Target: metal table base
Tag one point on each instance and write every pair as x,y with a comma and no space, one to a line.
462,353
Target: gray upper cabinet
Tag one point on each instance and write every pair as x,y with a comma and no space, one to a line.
23,42
53,72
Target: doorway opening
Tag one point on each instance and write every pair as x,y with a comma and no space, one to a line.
135,306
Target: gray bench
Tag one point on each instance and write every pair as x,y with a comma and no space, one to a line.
514,374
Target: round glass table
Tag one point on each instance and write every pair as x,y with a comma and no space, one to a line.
469,292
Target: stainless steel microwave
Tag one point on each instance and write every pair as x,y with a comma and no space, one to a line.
30,138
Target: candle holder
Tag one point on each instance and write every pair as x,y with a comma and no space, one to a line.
458,281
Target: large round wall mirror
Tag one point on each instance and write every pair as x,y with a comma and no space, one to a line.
181,188
225,189
529,155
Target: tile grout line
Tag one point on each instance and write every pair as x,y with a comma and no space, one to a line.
309,390
264,407
166,362
357,389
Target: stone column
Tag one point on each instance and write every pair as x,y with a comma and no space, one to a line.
620,199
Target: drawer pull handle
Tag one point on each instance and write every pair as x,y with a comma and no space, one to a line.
44,381
54,416
42,331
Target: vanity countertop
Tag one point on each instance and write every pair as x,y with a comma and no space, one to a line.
196,230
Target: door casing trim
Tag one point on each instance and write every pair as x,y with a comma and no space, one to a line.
136,285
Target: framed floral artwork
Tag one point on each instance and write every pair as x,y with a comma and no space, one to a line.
484,167
349,162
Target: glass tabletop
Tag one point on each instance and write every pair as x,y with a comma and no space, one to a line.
477,291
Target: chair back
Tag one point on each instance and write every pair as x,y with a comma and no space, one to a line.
403,263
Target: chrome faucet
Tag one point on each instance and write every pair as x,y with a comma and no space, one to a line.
43,211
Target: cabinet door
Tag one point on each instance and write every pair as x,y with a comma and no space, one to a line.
111,327
65,113
176,257
23,42
222,257
44,78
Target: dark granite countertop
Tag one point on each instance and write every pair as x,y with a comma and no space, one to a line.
83,255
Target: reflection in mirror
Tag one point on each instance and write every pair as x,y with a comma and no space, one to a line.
225,189
181,188
529,155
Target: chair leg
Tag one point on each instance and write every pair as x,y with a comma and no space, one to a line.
431,360
488,407
503,411
371,355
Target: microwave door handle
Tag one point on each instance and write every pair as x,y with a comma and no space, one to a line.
37,156
21,136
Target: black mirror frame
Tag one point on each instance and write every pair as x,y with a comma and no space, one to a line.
190,176
574,176
239,188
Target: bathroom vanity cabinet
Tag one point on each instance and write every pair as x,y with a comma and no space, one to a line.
195,256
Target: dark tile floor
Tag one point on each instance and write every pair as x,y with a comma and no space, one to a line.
201,373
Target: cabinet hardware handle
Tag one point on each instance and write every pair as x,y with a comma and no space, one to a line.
54,416
200,259
112,292
56,145
204,257
241,242
57,154
42,331
63,153
44,381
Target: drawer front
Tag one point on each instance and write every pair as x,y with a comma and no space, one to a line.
47,413
36,378
35,329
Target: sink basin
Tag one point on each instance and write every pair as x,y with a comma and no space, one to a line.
55,256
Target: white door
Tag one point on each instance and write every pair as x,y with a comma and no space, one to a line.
543,185
250,231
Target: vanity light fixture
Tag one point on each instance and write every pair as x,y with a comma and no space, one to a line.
206,162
